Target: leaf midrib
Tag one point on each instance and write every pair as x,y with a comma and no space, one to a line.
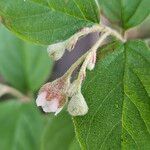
53,9
49,10
125,94
130,17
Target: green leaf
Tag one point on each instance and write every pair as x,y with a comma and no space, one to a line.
23,65
59,133
126,13
85,9
74,145
47,22
118,96
20,126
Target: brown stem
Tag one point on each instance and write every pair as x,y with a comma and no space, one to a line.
4,89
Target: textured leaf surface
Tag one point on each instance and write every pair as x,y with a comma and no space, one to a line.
23,65
50,21
74,145
19,126
126,13
59,133
117,93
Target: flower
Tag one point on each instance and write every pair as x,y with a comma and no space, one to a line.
57,50
92,61
77,105
52,96
71,42
73,88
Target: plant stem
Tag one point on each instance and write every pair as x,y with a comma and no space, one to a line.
4,89
93,49
85,57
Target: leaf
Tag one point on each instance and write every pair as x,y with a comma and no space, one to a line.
85,9
118,96
59,133
23,65
126,13
47,22
20,126
74,145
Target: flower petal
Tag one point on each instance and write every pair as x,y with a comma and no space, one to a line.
41,99
58,111
51,106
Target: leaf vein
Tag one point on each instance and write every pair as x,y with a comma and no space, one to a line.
109,134
130,136
96,111
138,111
130,17
80,10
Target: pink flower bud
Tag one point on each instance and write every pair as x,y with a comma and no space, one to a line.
52,96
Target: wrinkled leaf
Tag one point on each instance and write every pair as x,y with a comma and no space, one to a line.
85,9
23,65
126,13
20,126
118,96
47,22
74,145
59,133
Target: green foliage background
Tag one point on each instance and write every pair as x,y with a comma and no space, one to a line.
117,91
23,126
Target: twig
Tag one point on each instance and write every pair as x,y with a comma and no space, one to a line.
94,48
4,89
